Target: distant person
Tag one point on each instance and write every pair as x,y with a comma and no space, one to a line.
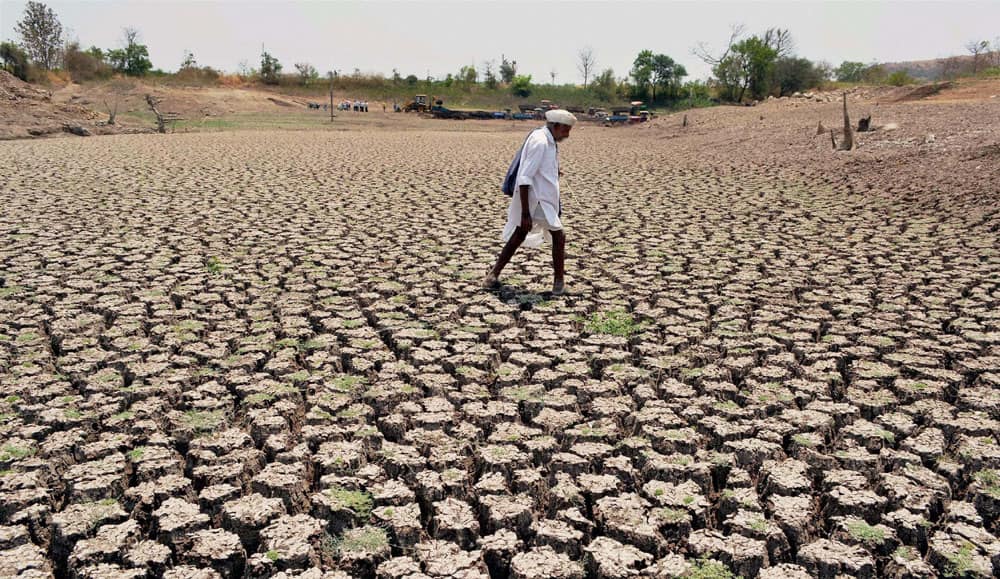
535,209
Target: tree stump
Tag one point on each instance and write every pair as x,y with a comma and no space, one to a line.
848,142
865,124
161,126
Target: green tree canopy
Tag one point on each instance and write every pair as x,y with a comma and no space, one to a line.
849,71
41,35
521,85
15,61
270,68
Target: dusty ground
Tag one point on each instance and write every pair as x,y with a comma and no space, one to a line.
260,353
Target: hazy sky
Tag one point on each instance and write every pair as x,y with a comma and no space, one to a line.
424,37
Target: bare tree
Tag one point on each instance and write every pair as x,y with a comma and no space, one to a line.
780,40
586,63
129,36
977,48
950,67
552,74
41,35
703,53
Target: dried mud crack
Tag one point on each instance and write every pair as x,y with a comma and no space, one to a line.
266,355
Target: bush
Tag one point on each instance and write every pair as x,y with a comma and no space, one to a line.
84,66
900,78
198,75
521,86
15,61
791,75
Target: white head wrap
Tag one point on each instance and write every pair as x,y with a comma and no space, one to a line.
560,116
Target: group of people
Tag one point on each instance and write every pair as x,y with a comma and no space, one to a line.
356,106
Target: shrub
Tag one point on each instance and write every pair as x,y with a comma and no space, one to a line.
900,78
15,61
85,65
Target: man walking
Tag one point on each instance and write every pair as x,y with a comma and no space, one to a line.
534,212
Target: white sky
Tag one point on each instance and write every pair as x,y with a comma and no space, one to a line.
424,37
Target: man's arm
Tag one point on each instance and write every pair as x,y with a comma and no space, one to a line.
525,210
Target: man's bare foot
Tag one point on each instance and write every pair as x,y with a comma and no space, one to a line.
558,287
490,281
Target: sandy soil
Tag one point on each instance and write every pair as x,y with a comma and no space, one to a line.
266,354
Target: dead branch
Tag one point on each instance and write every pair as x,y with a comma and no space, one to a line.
160,123
112,113
848,144
702,52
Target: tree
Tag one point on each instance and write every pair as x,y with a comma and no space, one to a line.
747,66
489,77
412,79
508,70
642,71
270,68
133,58
604,85
85,65
521,85
41,35
792,75
189,61
849,71
977,48
780,40
667,75
307,73
468,75
15,61
586,63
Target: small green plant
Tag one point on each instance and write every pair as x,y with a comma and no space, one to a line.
862,531
960,562
688,500
346,383
673,515
213,265
613,323
758,525
990,479
72,413
10,452
300,376
365,540
202,420
905,552
273,555
708,569
887,436
803,441
135,455
258,398
286,343
358,501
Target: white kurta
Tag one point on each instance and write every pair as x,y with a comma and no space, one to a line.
539,170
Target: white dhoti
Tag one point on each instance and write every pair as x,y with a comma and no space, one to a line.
544,218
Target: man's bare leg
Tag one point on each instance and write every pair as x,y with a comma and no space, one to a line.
558,262
506,254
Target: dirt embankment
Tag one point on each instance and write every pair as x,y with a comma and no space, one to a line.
937,148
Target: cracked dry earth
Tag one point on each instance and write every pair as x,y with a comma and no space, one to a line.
266,355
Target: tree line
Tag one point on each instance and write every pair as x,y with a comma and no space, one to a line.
747,67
